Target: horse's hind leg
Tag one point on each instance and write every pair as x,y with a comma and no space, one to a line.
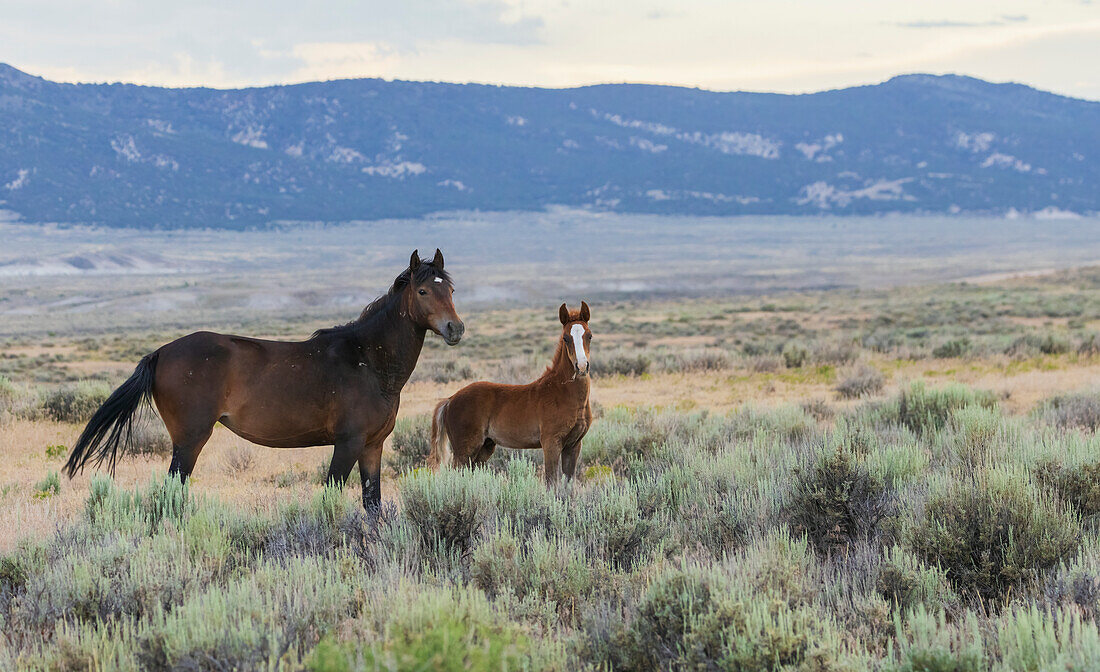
484,453
187,443
189,419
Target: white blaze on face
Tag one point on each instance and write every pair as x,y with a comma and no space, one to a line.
439,279
577,332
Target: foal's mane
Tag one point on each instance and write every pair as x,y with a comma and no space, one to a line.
424,272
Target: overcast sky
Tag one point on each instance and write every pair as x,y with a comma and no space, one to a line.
762,45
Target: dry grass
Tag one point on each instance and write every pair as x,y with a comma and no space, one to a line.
257,477
748,332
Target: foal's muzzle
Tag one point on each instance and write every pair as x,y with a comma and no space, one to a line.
581,370
452,332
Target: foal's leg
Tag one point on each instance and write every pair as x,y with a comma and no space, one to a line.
370,470
551,460
569,458
485,453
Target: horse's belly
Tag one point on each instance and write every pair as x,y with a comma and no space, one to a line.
279,435
516,437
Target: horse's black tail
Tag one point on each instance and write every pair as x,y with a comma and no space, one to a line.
113,423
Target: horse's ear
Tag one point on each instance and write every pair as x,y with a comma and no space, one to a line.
438,261
563,314
585,313
414,260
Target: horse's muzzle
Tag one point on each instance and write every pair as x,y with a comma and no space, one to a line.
579,370
452,332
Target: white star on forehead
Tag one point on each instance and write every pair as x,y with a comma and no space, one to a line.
439,279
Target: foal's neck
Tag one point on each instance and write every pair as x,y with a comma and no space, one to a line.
563,372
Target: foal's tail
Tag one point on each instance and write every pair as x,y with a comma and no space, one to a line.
441,455
113,423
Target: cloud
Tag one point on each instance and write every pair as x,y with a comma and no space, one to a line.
335,60
1004,20
215,43
661,14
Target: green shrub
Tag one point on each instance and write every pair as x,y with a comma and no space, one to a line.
149,437
903,580
549,570
447,508
1031,638
1090,345
860,383
447,371
610,519
789,423
250,623
1034,344
9,393
958,347
924,410
1076,584
444,630
795,355
836,502
818,409
836,354
927,642
625,437
993,532
621,364
48,487
1074,410
74,403
687,361
410,442
694,618
667,614
165,499
1079,485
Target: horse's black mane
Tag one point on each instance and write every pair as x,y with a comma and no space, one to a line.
424,272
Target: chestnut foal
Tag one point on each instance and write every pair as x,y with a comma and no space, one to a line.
551,413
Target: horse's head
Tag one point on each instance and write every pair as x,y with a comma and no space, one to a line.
428,298
576,336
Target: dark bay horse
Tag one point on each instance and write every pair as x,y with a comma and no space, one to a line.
340,387
551,413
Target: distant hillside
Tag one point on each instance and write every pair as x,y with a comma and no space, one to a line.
124,155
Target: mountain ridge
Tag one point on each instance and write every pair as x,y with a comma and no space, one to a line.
356,149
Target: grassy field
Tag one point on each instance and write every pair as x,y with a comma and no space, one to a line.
894,479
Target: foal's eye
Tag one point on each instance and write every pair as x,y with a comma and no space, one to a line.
422,292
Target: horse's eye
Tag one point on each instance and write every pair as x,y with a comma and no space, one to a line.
422,292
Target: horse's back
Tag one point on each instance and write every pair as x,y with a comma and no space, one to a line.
507,414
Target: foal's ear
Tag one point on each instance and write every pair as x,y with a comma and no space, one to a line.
585,313
438,261
563,314
414,260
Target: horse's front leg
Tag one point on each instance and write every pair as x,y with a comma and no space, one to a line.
569,457
551,460
370,470
345,452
